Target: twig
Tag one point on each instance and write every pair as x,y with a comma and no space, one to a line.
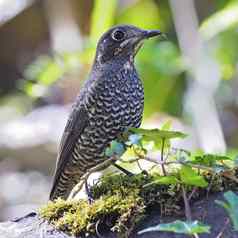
129,161
230,176
188,213
139,166
186,205
181,163
220,234
192,193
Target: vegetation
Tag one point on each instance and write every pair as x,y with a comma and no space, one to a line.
175,179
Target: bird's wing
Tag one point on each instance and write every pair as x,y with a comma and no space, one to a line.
74,127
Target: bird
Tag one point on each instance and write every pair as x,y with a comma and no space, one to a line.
110,102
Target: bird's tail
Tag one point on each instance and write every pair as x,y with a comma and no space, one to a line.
60,192
63,185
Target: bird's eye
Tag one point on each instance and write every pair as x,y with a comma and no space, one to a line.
118,35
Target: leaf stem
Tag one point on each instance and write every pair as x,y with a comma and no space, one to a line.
186,205
194,190
162,157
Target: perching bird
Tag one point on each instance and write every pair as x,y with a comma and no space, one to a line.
111,101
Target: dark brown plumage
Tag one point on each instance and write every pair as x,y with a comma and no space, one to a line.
110,102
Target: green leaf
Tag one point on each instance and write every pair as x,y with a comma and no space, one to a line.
116,148
157,136
164,180
189,228
210,159
231,207
188,176
154,134
102,17
221,20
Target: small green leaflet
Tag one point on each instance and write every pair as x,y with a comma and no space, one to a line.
189,228
188,176
231,207
210,159
157,136
164,180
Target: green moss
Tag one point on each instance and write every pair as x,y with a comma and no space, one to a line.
120,210
164,197
55,210
121,201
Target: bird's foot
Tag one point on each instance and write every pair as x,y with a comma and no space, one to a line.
89,193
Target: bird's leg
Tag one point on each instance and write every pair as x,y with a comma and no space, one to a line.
88,192
128,173
84,178
76,190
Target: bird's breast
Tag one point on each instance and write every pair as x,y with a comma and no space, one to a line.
118,102
112,107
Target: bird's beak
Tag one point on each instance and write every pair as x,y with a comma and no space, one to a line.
141,36
138,39
151,33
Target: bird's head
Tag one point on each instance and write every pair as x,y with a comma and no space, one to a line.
121,43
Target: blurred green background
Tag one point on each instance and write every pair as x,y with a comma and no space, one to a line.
47,48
